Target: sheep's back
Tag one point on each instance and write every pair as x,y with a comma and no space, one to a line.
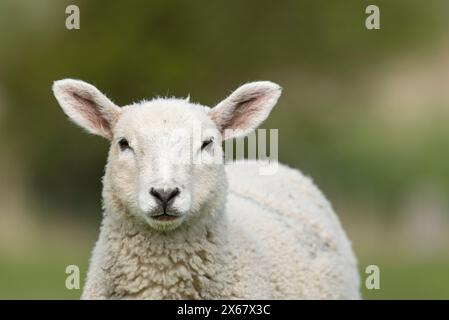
295,225
290,194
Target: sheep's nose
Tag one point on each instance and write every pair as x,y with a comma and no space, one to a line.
165,197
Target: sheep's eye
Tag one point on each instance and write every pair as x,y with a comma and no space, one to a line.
206,143
124,145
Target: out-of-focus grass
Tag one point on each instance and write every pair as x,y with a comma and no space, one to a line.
40,276
405,278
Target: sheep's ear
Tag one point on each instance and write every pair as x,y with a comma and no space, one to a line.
87,106
245,109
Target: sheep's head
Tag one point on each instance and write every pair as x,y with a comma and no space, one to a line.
165,158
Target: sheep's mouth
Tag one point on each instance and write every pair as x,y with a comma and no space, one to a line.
165,217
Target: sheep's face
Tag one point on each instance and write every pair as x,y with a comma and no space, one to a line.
166,160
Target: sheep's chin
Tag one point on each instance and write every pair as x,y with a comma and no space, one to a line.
164,225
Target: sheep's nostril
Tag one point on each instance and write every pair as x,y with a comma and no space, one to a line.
174,193
155,193
165,197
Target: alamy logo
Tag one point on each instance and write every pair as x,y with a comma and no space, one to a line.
73,20
251,147
73,279
372,281
372,22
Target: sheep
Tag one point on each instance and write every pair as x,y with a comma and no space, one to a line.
194,229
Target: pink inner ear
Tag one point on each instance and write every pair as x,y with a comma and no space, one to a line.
243,113
92,113
239,115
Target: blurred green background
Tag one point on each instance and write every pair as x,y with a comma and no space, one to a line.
363,112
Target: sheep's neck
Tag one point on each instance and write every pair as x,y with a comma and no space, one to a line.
188,263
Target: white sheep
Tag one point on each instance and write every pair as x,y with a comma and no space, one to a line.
194,229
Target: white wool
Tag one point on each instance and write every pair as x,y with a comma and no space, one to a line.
239,234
